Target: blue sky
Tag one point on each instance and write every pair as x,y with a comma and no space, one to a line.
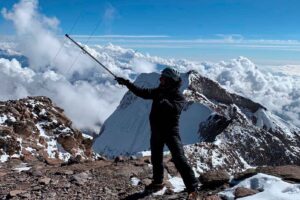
266,31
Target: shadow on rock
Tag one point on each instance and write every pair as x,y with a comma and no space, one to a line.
135,196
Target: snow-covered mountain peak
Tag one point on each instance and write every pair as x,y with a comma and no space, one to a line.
211,114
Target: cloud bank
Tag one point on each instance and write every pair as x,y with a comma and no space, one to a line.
58,69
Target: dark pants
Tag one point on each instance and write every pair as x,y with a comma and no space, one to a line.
175,146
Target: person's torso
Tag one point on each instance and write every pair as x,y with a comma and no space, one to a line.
162,117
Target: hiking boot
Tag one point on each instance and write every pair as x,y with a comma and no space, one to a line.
154,187
193,196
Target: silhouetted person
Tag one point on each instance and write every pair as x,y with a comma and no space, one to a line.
164,121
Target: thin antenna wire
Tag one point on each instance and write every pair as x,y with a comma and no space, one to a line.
64,40
78,55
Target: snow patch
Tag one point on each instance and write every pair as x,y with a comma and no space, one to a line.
177,183
42,131
3,118
22,167
87,136
273,188
4,158
135,181
161,192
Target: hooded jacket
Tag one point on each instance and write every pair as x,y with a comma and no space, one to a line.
166,108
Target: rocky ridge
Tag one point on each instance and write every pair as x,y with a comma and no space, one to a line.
34,128
240,133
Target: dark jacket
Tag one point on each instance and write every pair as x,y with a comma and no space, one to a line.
166,108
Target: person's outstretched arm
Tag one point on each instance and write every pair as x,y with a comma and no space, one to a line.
144,93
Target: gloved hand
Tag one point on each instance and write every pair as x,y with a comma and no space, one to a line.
122,81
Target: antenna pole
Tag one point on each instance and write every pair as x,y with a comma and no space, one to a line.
85,51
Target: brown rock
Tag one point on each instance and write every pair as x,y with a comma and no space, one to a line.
245,174
11,145
27,156
2,174
53,161
42,141
15,193
286,172
25,128
74,160
212,197
4,131
68,142
244,192
88,143
119,159
147,160
44,181
171,168
25,195
146,181
213,179
36,172
68,172
80,178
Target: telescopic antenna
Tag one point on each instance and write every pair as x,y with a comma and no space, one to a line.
85,51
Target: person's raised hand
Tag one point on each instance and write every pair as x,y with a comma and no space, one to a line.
122,81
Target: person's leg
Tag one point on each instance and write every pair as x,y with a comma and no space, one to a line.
157,146
175,146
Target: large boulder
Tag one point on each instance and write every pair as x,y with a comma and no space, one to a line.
286,172
241,192
213,179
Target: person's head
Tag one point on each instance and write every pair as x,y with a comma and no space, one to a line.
170,78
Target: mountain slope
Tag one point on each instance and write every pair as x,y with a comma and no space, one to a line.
249,134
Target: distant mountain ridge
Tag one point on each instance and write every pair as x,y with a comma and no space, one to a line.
250,135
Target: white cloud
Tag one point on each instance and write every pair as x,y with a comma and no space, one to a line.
279,93
84,90
37,39
142,66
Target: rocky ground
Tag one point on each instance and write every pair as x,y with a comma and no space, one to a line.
107,179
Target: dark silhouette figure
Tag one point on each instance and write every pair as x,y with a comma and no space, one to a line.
164,121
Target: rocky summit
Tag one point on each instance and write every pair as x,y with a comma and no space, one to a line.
34,128
125,179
